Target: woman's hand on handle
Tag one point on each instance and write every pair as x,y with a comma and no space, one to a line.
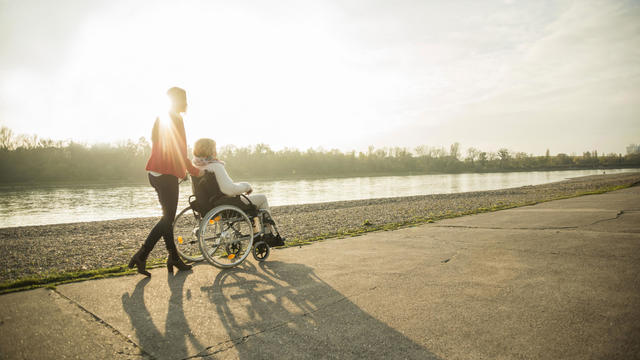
249,191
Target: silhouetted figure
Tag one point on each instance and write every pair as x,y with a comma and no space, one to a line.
167,163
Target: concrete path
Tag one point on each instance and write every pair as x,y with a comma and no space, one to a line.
560,280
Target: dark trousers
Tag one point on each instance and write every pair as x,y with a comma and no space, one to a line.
167,188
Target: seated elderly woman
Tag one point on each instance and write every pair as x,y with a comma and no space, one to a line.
226,191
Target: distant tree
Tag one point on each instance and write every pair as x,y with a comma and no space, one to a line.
27,141
504,155
563,159
472,155
439,152
421,150
27,158
483,158
454,151
633,149
6,139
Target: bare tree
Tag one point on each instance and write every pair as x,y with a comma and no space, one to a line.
472,154
504,155
27,141
633,149
6,139
454,150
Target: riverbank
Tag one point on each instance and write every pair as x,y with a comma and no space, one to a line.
37,251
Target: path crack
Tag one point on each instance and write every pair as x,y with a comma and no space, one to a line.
229,344
614,218
102,322
504,228
618,214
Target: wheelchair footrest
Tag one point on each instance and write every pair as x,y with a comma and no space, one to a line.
273,240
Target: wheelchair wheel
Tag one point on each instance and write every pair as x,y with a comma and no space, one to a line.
261,251
186,228
226,236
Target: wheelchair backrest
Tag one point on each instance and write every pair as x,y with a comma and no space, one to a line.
208,195
206,190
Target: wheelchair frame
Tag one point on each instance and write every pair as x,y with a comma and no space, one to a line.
225,235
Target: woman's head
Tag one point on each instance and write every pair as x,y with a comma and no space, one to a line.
178,98
205,148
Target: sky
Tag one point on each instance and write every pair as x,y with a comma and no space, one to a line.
345,74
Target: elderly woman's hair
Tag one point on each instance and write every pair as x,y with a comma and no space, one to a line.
204,148
176,94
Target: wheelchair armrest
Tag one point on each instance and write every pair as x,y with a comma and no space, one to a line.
253,208
246,197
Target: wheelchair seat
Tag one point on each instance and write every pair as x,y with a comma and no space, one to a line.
208,195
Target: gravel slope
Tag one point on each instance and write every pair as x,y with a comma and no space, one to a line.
38,250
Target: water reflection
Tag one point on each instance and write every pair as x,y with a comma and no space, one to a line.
47,204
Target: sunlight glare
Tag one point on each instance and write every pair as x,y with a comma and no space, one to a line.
161,105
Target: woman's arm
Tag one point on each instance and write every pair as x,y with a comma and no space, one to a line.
183,150
227,186
192,169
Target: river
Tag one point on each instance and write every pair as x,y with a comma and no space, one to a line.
22,205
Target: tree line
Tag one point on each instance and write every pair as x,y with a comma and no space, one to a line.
30,159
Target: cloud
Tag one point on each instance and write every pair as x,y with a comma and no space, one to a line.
578,87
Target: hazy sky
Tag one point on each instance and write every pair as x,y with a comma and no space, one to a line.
526,75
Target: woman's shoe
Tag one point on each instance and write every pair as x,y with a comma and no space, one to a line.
175,260
139,260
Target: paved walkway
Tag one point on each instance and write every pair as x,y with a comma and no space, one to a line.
559,280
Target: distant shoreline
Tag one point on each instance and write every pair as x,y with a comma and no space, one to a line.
143,180
35,251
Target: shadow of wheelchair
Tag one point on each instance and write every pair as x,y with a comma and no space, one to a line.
284,310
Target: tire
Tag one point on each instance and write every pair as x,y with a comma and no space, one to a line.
226,236
186,228
261,251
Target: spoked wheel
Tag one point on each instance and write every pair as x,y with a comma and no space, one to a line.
226,236
186,228
235,248
261,251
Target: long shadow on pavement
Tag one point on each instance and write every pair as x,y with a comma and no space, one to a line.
287,311
177,331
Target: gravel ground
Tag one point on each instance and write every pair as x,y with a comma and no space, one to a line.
39,250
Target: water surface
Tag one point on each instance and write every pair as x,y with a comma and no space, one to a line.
50,204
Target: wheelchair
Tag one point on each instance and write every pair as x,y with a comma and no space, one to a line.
220,229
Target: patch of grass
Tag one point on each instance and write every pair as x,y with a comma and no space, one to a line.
52,280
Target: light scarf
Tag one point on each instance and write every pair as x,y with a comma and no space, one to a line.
204,161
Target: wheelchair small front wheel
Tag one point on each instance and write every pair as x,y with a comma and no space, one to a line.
226,236
261,251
